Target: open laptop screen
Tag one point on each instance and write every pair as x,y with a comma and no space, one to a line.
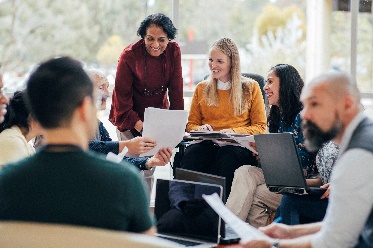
279,160
181,211
195,176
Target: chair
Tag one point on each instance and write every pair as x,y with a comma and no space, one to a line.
259,78
42,235
261,81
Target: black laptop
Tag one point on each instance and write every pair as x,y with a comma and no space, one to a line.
195,176
282,169
228,236
196,224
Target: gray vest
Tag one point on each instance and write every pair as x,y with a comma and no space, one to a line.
362,138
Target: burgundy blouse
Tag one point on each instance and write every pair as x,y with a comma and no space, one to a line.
142,81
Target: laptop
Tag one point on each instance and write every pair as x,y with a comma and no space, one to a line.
195,176
197,225
227,235
282,169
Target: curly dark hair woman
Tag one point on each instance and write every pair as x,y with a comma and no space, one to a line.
160,20
18,128
17,113
288,105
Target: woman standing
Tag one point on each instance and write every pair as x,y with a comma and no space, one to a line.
225,102
147,69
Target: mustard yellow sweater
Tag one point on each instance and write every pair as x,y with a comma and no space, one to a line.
252,121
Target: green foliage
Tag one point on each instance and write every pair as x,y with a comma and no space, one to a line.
283,46
272,18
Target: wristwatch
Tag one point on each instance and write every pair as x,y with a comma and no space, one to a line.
275,243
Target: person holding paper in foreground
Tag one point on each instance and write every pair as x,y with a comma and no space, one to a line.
104,144
225,102
332,110
250,198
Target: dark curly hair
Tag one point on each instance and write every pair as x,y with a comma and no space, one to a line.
291,85
17,113
160,20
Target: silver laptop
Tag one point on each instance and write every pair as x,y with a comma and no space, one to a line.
183,216
282,169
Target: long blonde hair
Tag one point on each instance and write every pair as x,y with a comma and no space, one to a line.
240,85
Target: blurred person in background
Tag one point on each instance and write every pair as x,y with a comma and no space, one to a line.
18,128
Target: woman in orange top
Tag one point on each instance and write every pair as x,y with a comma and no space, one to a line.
225,102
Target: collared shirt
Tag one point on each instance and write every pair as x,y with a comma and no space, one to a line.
351,197
224,85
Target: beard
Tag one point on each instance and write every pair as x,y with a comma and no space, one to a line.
315,137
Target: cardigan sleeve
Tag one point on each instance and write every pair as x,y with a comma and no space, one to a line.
122,114
195,114
257,113
175,86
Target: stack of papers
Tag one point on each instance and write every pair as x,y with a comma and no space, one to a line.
208,135
241,139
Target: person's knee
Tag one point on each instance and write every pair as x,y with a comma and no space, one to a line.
241,172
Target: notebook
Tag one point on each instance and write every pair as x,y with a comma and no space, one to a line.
282,169
228,236
198,224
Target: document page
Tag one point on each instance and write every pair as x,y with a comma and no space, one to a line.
244,230
244,140
166,127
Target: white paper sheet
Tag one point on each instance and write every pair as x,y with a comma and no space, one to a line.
244,140
117,158
244,230
166,127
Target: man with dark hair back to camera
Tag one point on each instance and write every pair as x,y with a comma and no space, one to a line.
62,182
332,110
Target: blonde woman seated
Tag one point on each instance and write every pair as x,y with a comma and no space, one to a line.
225,102
283,89
18,128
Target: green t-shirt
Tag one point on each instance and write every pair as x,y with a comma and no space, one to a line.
77,188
